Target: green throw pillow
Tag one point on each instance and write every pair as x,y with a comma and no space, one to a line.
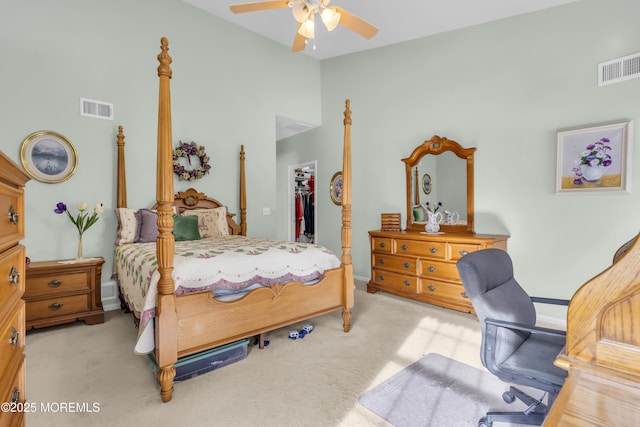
418,213
185,228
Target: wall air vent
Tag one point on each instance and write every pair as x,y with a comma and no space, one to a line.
618,70
97,109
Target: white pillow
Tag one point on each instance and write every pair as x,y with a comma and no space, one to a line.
211,222
127,225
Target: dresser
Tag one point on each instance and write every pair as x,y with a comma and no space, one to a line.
423,267
12,307
63,291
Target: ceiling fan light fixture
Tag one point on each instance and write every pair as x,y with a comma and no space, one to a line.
331,18
307,29
300,11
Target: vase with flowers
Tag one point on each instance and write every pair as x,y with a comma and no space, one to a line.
82,220
593,162
434,218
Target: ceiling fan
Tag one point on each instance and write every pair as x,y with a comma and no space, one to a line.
305,11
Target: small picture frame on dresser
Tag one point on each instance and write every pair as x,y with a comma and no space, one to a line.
48,156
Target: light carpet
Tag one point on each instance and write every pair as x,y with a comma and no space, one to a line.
315,381
437,391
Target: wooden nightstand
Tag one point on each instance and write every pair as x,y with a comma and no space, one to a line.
63,291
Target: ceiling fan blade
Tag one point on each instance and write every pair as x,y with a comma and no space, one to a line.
299,42
263,5
356,24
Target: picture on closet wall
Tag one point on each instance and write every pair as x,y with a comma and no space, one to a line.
335,188
48,156
426,183
594,158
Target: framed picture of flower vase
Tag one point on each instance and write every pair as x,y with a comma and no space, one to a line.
595,158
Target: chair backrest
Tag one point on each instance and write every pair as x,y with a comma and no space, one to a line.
487,276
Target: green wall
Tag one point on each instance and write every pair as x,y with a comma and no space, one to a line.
504,87
228,85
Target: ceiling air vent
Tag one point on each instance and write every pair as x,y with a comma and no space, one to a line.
97,109
619,70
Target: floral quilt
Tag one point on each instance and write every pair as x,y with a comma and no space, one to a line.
221,264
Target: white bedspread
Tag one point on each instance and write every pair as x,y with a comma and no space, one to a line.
225,263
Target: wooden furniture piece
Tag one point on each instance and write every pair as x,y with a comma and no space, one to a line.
12,312
423,267
602,354
64,291
187,324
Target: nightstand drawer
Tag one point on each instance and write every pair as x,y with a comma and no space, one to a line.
445,270
397,281
58,306
55,282
12,336
12,277
381,244
401,265
420,248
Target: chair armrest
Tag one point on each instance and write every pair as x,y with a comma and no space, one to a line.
523,327
554,301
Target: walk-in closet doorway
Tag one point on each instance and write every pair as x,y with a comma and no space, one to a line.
302,202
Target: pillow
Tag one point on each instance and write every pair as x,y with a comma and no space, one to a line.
147,226
211,222
185,228
127,225
419,213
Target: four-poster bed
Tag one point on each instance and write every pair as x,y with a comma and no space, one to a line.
192,322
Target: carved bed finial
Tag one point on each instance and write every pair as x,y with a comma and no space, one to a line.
164,69
347,112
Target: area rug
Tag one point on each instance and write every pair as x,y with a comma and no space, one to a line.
437,391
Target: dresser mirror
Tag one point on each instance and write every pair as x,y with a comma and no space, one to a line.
440,171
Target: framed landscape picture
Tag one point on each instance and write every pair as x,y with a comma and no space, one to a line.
48,156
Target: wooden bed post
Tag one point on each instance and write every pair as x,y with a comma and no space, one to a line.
121,201
243,195
166,316
346,220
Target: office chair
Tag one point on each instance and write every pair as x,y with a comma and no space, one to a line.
513,348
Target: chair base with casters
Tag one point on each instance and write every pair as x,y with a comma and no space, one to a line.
513,348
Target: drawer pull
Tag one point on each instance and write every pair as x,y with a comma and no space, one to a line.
463,252
15,395
14,276
14,218
464,295
383,245
431,269
13,339
431,288
381,277
433,250
55,306
407,283
55,283
404,247
381,261
407,265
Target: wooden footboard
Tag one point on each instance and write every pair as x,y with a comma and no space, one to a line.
191,323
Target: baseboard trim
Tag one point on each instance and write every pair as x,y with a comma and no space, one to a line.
110,299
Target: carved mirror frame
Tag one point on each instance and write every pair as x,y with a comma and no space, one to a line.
435,146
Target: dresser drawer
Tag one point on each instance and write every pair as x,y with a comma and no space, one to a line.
12,276
59,306
14,394
458,250
397,281
381,244
399,264
443,290
12,335
55,282
421,248
11,216
445,270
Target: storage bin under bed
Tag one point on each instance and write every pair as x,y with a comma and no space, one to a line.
205,361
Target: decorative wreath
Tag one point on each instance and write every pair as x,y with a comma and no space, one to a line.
185,150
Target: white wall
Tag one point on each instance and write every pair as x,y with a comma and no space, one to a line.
506,88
